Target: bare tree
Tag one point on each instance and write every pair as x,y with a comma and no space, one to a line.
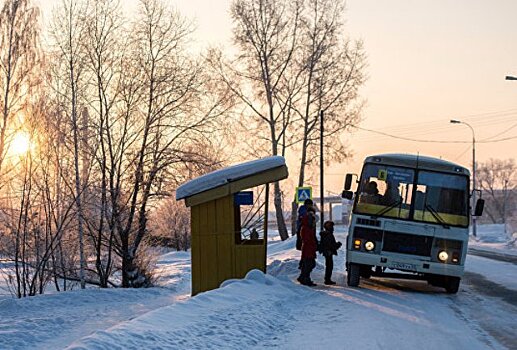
37,235
326,78
496,178
167,110
19,60
104,49
266,35
170,225
68,33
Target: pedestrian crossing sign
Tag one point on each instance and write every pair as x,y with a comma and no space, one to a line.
303,193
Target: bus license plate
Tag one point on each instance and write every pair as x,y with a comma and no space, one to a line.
402,266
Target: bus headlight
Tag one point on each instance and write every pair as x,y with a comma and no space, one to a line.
443,256
369,246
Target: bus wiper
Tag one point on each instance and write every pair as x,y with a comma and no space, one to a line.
436,216
387,209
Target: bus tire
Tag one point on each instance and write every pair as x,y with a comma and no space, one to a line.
365,271
452,284
353,275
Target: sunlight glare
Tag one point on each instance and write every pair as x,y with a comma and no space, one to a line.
21,143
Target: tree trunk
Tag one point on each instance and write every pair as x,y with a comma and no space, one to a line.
282,228
78,184
277,200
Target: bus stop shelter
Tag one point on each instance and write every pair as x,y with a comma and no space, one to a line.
220,248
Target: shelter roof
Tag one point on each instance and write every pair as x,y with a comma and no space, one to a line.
234,174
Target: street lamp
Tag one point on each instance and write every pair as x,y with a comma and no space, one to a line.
508,77
453,121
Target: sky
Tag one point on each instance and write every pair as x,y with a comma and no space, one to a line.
429,61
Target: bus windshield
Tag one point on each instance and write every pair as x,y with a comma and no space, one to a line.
389,191
441,198
385,191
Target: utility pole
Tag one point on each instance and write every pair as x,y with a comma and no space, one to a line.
505,198
508,77
322,208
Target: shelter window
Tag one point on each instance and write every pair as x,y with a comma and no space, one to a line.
250,216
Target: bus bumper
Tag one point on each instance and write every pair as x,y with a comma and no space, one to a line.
405,263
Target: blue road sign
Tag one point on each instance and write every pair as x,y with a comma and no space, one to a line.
243,198
303,193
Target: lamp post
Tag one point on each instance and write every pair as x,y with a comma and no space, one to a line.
508,77
453,121
322,199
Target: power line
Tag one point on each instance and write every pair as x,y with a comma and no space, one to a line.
498,140
430,141
462,153
502,132
441,127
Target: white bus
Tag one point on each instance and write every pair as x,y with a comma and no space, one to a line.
410,214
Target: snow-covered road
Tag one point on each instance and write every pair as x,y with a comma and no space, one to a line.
273,311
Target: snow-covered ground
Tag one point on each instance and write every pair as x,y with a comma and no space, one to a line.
494,238
271,310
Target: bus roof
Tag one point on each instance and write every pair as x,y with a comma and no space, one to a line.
423,162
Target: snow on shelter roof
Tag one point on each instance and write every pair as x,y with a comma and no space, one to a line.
227,175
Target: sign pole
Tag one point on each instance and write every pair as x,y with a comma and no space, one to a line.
322,208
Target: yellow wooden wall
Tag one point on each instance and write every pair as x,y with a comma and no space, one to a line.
249,257
215,257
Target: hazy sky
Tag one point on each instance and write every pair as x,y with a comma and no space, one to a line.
428,61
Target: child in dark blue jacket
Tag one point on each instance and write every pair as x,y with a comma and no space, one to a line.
328,247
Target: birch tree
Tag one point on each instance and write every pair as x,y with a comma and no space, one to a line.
265,33
332,70
20,55
68,33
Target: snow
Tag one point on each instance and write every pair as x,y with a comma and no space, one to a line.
491,233
270,311
264,311
498,272
492,238
223,176
53,321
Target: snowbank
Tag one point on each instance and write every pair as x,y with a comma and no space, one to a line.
492,238
491,233
241,314
263,311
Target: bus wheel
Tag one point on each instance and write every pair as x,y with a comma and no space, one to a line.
365,271
452,285
353,275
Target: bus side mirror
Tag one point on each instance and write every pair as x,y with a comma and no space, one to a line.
480,205
347,194
348,182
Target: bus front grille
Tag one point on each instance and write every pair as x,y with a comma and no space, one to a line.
407,244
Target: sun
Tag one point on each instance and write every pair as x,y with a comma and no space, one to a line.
21,143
